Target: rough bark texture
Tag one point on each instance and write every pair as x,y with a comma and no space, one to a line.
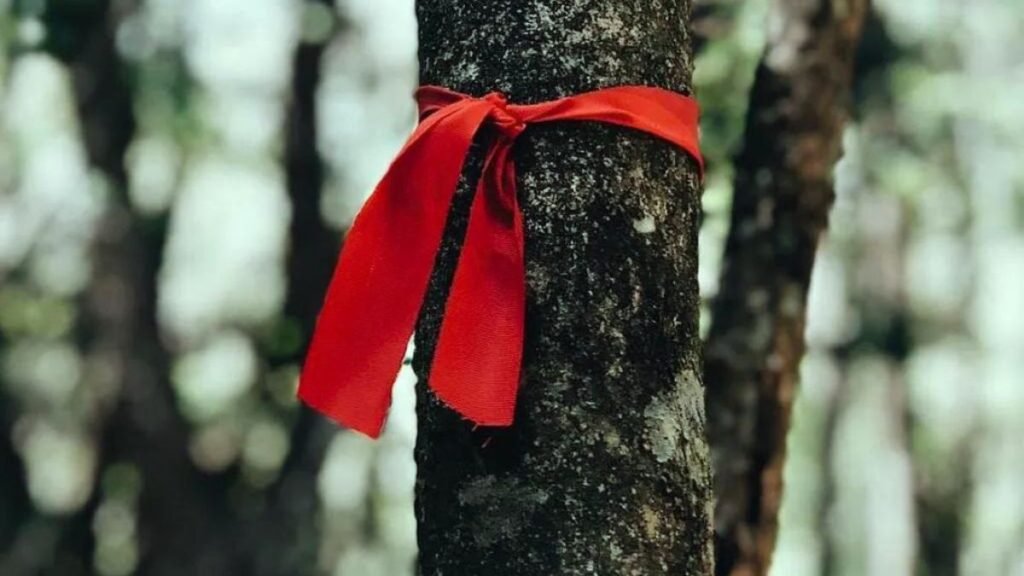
783,192
606,470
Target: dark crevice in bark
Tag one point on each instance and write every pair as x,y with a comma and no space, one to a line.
605,470
187,524
783,192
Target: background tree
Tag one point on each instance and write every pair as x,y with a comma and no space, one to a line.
780,207
153,486
175,176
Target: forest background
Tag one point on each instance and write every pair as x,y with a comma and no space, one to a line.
252,132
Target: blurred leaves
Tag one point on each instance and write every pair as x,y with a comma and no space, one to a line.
208,199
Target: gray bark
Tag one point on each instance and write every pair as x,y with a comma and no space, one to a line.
606,469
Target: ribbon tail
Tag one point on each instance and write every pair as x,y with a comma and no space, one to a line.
477,364
381,277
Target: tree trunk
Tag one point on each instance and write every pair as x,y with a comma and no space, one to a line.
178,509
606,469
187,525
285,539
783,192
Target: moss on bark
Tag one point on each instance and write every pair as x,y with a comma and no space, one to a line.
606,470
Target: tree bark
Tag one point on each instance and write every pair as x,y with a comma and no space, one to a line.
606,469
783,192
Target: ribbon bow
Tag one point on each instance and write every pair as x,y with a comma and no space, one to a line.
381,277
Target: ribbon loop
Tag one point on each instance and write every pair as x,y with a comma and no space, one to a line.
381,277
503,117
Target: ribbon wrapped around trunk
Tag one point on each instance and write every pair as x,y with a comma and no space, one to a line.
381,278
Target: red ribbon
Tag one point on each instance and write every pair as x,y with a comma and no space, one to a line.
381,277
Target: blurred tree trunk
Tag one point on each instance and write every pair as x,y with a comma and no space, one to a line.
977,523
783,192
186,523
835,402
15,506
286,538
870,493
178,533
606,469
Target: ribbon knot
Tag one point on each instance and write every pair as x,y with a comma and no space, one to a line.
381,277
505,119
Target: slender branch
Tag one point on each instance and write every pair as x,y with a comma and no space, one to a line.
313,247
286,539
783,192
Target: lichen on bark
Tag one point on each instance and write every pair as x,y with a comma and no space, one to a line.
606,469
